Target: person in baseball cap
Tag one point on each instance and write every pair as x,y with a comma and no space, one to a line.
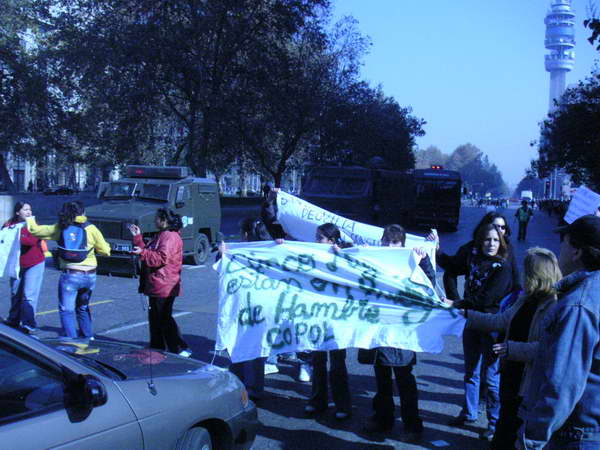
562,408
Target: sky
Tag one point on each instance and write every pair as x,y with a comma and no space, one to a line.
472,69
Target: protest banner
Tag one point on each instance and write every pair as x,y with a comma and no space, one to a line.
303,296
300,220
584,201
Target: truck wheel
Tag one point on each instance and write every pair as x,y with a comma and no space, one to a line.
196,438
201,249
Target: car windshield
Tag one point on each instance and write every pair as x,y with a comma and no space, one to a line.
155,192
119,190
437,190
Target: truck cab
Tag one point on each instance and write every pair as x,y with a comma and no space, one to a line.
135,199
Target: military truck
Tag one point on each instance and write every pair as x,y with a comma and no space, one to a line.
135,199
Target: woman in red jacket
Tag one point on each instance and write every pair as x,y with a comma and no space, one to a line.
161,279
25,289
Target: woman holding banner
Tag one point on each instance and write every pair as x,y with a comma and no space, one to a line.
329,233
489,280
391,362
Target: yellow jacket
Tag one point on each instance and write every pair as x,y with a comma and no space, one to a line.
95,240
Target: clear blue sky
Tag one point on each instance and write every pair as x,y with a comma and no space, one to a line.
473,69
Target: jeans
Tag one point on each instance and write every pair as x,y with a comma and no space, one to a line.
163,328
338,379
522,230
383,402
24,294
479,357
74,293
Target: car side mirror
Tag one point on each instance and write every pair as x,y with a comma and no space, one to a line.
82,394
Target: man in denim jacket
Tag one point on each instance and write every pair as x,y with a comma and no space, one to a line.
562,409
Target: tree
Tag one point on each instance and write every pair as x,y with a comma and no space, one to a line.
476,170
432,155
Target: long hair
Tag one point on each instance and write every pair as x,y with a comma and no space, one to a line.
541,272
18,207
332,232
254,229
482,234
392,234
489,218
68,213
173,219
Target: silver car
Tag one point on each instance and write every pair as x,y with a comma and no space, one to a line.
111,395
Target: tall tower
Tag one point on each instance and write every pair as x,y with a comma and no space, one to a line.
560,40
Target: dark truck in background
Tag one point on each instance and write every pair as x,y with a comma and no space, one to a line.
135,199
422,197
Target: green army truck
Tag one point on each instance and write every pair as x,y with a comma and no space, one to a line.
135,199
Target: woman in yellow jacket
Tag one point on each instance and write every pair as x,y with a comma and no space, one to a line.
78,242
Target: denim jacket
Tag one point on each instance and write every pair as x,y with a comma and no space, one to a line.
566,392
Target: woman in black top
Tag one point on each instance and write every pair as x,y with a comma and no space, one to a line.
489,279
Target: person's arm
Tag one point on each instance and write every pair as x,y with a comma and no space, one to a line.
101,247
27,239
457,263
138,241
562,368
159,256
427,267
43,231
487,321
521,351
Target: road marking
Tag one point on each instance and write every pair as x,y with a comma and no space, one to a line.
139,324
43,313
195,267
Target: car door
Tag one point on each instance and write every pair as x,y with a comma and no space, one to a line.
34,413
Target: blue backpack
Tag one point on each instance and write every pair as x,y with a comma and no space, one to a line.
72,244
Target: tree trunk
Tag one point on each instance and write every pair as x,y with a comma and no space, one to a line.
7,181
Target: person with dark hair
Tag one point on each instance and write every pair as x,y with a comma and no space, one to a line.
457,265
489,279
78,278
25,286
561,408
268,212
523,215
328,233
522,324
160,279
391,362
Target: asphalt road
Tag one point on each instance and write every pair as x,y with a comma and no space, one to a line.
119,313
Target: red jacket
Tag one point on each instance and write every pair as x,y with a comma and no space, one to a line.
31,248
161,264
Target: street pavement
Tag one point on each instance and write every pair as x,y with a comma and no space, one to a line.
120,314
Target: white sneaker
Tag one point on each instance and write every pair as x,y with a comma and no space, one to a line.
271,368
185,353
305,373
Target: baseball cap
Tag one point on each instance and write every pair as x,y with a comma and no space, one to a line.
586,230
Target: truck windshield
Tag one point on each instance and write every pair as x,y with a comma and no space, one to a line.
437,190
155,192
119,190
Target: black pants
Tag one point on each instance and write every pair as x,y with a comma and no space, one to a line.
338,378
163,328
252,374
383,402
522,230
508,423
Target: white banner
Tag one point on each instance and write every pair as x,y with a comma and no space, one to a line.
302,296
584,201
300,220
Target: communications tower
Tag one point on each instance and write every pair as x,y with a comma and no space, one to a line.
560,40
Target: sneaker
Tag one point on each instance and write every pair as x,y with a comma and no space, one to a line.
185,353
488,434
373,426
304,373
341,415
312,409
271,368
32,331
461,421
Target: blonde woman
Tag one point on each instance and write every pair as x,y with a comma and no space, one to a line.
523,327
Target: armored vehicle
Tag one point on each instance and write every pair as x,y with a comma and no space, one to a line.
135,199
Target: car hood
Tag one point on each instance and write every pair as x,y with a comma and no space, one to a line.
131,361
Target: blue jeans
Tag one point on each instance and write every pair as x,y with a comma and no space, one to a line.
479,357
24,294
74,293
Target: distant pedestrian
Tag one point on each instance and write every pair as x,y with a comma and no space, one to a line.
78,241
26,281
160,279
523,325
391,362
561,408
523,215
488,281
336,377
